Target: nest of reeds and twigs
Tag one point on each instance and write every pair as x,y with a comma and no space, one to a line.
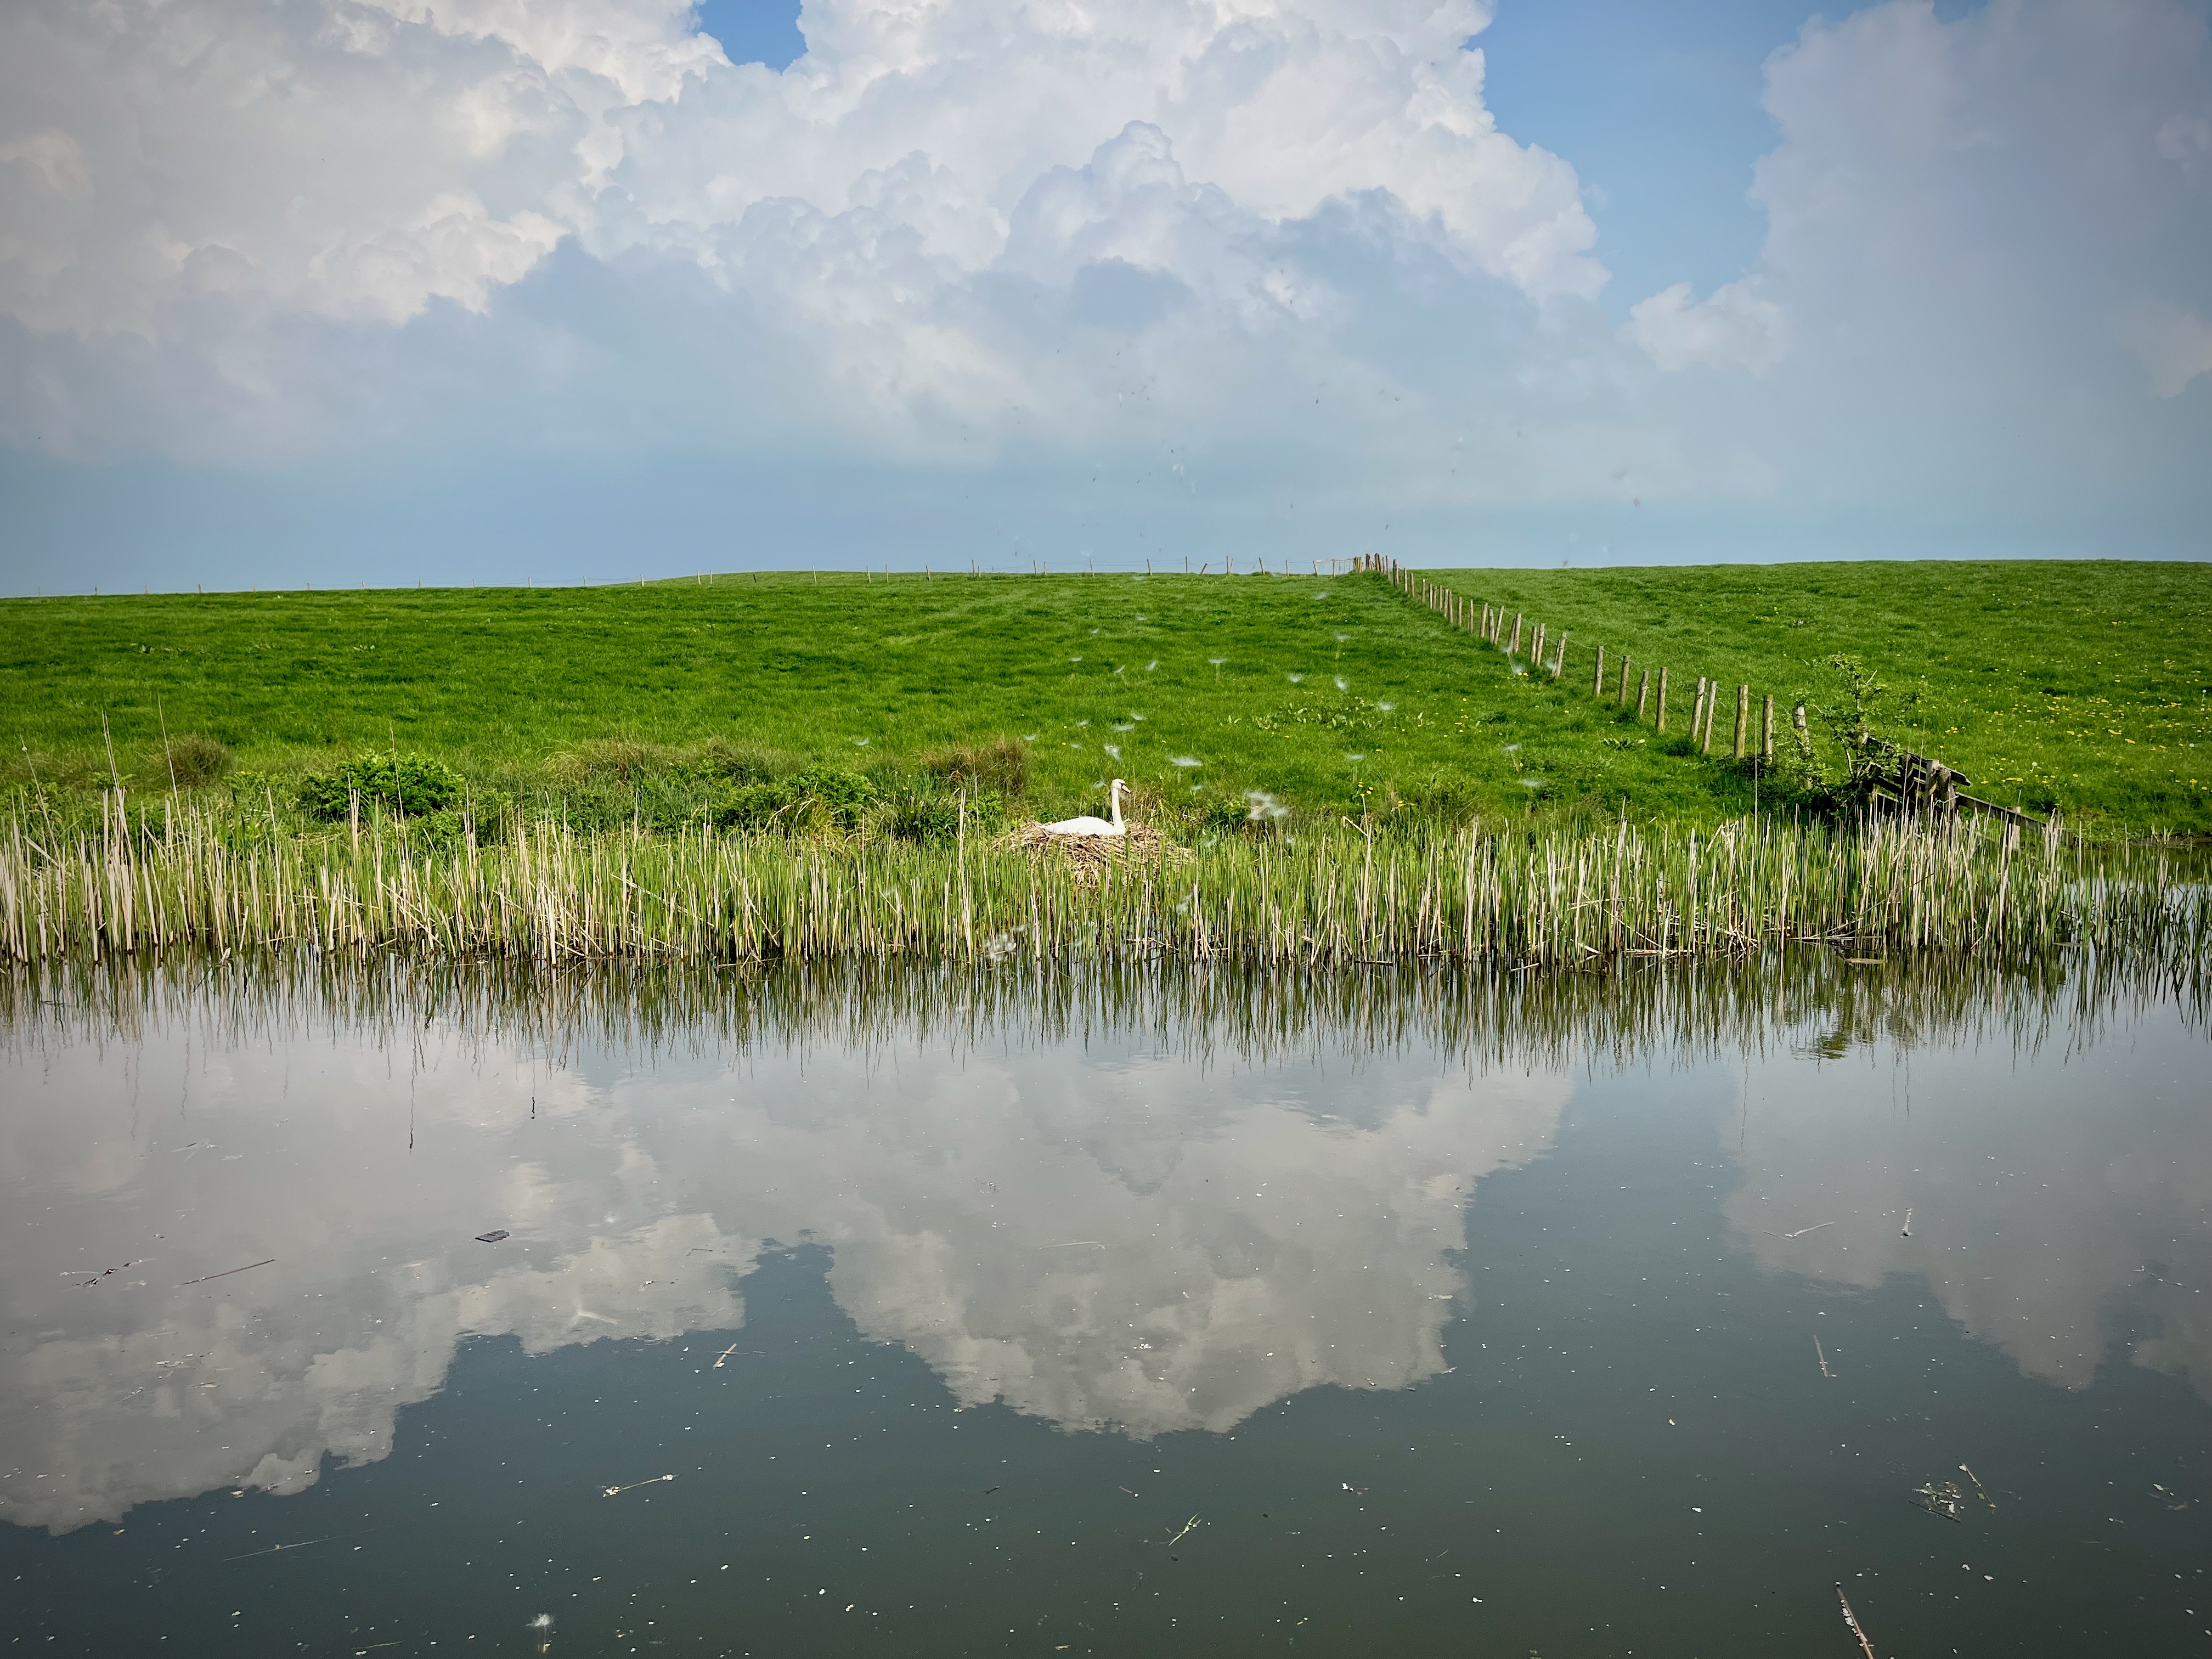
1089,857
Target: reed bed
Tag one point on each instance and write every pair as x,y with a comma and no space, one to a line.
552,896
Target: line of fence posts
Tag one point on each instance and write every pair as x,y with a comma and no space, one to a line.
1487,623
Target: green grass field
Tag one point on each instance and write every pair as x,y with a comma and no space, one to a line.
2085,685
1329,694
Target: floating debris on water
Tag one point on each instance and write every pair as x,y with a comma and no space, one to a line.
1978,1492
228,1272
1906,1231
650,1480
541,1627
1852,1620
1946,1500
1821,1354
493,1236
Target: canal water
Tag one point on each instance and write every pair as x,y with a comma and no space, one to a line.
1656,1313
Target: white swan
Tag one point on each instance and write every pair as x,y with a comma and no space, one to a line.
1090,826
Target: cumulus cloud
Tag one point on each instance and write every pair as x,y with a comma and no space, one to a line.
1958,210
365,158
1733,327
1285,242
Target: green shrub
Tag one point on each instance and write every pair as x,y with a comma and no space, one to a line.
403,784
845,796
931,816
819,798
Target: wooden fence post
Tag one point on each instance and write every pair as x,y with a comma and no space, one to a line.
1560,662
1536,651
1623,698
1513,649
1662,726
1698,711
1743,718
1643,695
1597,676
1766,729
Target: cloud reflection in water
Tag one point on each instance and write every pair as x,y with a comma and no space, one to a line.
1101,1236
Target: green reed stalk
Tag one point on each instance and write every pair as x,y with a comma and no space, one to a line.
551,894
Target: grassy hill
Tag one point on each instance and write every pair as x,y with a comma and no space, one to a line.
2085,685
1328,694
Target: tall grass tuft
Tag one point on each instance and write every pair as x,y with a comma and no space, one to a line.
182,876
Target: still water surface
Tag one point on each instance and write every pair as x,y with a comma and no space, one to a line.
1102,1330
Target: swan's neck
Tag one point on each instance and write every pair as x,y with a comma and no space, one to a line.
1117,809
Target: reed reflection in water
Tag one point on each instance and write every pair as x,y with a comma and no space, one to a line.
1125,1201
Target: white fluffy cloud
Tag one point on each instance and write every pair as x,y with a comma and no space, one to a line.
366,158
1283,240
1736,327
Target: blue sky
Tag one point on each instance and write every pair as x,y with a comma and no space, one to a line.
597,289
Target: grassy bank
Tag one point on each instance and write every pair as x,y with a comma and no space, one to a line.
548,894
1329,694
1216,696
2081,686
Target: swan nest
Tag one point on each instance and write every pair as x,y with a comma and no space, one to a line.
1089,857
